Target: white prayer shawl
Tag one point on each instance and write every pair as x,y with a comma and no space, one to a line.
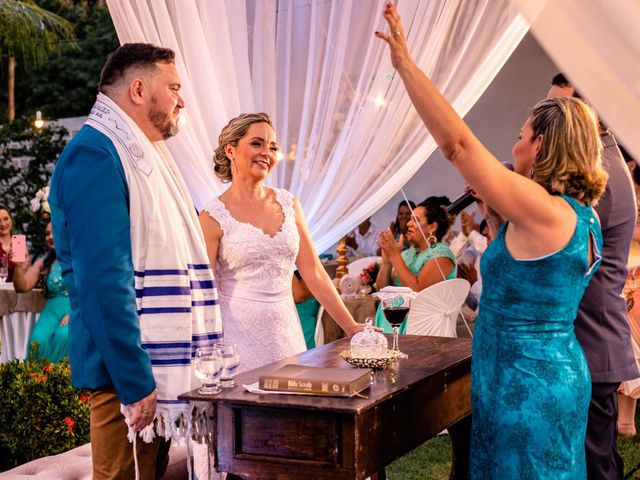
176,294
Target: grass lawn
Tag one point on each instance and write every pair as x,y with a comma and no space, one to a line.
432,460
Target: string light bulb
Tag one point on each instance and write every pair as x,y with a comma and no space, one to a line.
39,122
379,101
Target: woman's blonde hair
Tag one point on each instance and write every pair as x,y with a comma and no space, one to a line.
236,129
569,161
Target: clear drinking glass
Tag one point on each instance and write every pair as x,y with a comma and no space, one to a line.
395,310
208,367
230,364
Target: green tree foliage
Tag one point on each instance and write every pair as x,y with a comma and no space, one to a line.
27,156
66,85
31,32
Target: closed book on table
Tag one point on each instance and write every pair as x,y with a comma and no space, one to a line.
342,382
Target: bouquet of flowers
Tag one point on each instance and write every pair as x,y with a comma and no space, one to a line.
369,274
40,203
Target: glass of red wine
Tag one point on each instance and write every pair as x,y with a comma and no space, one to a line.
395,310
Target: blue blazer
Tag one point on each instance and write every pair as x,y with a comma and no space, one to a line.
89,201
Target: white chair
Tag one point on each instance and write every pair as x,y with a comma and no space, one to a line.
435,309
356,267
319,335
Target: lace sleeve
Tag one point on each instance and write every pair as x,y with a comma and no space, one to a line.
216,209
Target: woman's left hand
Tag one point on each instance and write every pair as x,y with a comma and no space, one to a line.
397,43
65,320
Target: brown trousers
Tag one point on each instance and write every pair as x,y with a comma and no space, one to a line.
111,452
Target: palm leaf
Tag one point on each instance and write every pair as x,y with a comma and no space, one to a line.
31,32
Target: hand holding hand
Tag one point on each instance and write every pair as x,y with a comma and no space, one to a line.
143,411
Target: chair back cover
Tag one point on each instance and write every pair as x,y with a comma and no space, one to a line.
434,311
356,267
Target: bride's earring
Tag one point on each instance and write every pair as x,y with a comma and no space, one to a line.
432,240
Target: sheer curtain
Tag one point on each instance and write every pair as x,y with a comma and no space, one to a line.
349,134
595,45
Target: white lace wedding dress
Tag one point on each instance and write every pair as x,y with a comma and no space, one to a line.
253,277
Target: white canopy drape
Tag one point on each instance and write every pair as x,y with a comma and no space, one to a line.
349,133
597,46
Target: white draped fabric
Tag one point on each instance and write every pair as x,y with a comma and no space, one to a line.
350,136
597,46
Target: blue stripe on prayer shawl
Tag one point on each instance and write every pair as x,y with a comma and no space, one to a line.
202,284
160,272
148,345
206,336
170,361
199,266
172,402
161,291
203,303
157,310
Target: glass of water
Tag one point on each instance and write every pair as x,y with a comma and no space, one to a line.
208,367
230,364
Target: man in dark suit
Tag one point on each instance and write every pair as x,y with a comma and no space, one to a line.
601,326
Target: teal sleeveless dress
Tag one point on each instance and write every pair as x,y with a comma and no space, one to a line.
530,384
51,337
415,260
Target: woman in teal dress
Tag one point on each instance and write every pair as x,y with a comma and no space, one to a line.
427,262
51,330
530,385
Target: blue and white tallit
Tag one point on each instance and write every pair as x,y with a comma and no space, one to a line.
176,294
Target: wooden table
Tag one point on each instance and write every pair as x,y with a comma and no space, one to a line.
360,308
299,436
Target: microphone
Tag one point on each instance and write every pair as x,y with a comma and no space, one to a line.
466,199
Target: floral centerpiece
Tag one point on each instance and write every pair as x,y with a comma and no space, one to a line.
42,414
369,275
40,203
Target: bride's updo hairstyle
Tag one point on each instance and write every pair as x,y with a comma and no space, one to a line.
235,130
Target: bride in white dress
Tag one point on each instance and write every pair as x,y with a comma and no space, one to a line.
255,235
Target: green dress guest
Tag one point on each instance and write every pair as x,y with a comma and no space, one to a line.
307,307
51,330
427,262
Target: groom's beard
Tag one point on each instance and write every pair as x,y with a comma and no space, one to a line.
163,121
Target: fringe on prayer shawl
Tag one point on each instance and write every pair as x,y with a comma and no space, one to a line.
176,295
195,426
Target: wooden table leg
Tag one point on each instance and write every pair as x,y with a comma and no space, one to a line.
460,436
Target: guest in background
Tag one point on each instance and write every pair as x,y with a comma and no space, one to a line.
6,228
307,307
399,227
362,241
601,325
629,390
443,201
51,330
427,262
530,383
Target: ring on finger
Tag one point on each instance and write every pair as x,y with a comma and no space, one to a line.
396,33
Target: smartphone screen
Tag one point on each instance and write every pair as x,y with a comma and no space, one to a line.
19,248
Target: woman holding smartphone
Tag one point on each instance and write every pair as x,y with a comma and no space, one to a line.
52,328
6,226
